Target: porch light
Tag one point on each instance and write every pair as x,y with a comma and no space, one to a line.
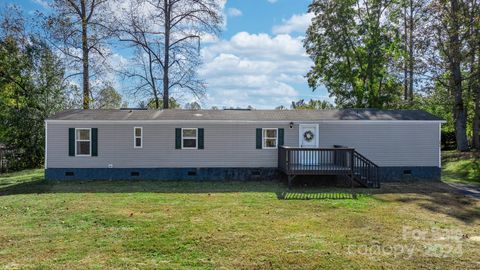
291,124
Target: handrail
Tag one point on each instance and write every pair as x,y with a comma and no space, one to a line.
315,161
366,171
328,161
366,159
315,148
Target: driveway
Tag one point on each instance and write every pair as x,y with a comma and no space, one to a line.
469,190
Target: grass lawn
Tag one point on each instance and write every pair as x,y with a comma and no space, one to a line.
461,167
234,225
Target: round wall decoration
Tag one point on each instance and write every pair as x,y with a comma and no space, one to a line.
308,135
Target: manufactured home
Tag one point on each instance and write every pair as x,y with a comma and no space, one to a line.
365,145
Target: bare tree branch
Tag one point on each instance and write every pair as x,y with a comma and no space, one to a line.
167,35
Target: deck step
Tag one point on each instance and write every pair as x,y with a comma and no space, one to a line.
365,171
342,161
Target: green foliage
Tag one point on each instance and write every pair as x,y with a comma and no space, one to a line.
461,167
150,104
467,171
353,46
311,105
438,102
108,98
31,89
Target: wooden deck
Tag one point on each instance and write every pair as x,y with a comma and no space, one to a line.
294,161
307,161
324,169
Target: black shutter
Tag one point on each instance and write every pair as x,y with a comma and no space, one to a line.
200,138
259,138
94,142
71,142
178,138
281,132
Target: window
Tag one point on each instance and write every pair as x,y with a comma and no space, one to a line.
269,138
189,138
137,137
83,143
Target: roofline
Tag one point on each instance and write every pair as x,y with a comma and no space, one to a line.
237,121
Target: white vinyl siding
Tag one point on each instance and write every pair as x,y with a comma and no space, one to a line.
387,144
233,145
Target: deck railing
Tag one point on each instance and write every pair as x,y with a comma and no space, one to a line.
315,161
328,161
365,171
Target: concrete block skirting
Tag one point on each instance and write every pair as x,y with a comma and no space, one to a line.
220,174
164,174
390,174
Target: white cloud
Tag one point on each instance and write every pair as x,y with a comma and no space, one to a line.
295,24
260,46
254,69
234,12
42,3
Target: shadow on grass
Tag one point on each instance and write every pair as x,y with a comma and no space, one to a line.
435,197
457,206
466,171
39,186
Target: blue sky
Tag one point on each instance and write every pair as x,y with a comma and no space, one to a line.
258,60
259,16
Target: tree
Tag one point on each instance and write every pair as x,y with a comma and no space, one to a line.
473,59
32,84
145,77
414,23
80,26
449,24
108,98
311,105
151,104
193,106
166,35
353,45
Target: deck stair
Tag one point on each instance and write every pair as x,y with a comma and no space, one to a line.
340,161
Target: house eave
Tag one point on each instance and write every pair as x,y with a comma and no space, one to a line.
56,121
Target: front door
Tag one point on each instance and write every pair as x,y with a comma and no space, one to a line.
308,138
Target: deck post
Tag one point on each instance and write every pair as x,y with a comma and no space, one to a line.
290,180
352,169
351,160
287,160
293,161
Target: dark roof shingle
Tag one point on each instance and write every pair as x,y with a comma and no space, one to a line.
246,115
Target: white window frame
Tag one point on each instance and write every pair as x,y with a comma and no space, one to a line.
264,138
89,140
196,138
135,137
